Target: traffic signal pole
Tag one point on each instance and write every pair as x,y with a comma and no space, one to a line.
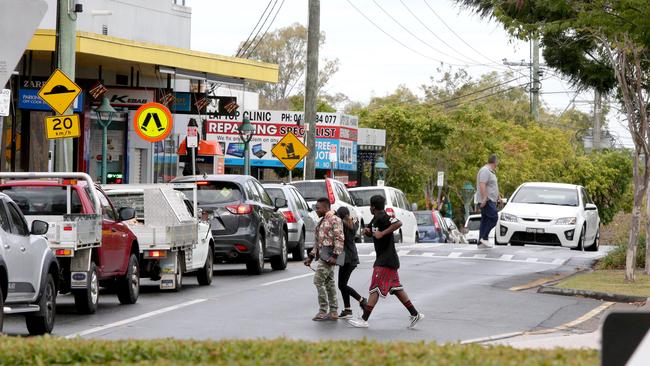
66,34
311,87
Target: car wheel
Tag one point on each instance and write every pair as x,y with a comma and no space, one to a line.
85,300
596,244
178,279
44,321
128,287
256,264
206,273
298,253
581,241
279,262
417,237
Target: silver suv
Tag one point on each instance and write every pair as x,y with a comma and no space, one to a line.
301,219
29,271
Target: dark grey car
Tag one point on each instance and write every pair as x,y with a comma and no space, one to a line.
246,224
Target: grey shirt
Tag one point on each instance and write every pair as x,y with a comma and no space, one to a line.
487,176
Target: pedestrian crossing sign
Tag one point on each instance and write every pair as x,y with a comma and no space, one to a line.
290,151
153,122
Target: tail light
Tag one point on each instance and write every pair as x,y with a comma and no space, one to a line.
67,228
155,254
63,252
241,209
390,212
330,191
202,183
291,219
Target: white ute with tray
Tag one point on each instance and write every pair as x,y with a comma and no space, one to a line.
173,238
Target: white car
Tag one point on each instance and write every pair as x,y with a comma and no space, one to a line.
335,191
396,205
472,226
550,214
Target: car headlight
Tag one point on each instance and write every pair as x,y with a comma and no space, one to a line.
566,221
508,217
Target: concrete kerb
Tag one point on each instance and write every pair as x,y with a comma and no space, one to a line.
604,296
547,281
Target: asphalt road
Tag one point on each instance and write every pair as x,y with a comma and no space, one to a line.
463,291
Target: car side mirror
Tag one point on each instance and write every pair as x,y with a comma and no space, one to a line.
591,207
358,202
39,227
126,213
280,202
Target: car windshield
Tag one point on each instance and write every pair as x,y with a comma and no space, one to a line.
474,223
364,195
215,193
311,191
43,200
547,196
275,193
424,218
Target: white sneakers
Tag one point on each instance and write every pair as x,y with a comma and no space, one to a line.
360,323
484,244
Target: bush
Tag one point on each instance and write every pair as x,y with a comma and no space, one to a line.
615,259
59,351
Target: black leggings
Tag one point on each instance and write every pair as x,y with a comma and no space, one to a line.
346,291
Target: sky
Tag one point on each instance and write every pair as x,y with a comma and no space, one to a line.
376,58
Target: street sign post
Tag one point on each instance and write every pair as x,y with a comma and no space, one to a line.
153,122
59,91
290,151
192,136
5,102
59,127
441,179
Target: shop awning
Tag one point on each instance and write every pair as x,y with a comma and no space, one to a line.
148,53
206,148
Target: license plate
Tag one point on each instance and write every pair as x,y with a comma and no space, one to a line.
535,230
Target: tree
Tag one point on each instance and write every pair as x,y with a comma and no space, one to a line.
599,44
287,47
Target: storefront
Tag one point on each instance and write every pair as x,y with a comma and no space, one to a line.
336,140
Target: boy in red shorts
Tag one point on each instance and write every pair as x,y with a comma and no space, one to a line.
385,279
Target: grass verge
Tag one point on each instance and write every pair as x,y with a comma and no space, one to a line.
610,281
59,351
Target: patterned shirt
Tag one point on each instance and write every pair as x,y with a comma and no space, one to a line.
329,233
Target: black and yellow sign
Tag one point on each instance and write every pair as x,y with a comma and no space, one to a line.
290,150
61,127
59,91
153,122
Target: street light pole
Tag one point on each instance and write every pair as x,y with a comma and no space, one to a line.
246,131
105,113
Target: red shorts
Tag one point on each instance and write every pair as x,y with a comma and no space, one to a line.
385,281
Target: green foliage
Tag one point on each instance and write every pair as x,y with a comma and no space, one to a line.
615,259
59,351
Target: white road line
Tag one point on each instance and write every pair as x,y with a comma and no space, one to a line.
531,260
480,256
507,257
492,338
559,261
455,254
288,279
134,319
428,254
403,252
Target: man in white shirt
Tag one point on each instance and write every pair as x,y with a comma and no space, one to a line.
488,197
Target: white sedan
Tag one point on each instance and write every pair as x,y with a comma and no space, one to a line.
550,214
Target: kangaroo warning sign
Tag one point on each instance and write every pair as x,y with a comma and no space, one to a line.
290,151
153,122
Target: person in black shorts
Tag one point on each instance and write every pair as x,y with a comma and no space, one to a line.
385,279
350,227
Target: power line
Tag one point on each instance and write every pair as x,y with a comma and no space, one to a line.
490,95
253,30
398,41
259,30
437,37
456,34
476,91
415,35
267,29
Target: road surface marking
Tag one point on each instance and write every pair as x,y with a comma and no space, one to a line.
593,313
480,256
531,260
559,261
455,254
492,338
403,252
133,319
507,257
288,279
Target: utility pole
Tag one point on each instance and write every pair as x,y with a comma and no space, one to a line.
597,118
66,39
311,86
534,90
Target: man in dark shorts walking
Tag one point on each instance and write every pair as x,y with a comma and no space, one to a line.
385,279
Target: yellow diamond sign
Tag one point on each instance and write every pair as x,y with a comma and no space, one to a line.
290,151
59,91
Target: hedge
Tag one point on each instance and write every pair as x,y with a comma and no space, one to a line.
59,351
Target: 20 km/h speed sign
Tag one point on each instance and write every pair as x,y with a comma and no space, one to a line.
60,127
